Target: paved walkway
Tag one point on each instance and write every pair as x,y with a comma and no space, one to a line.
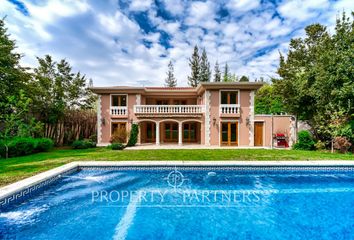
187,146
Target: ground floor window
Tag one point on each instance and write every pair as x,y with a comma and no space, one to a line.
119,126
119,132
229,133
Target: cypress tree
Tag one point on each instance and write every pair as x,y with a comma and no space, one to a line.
194,63
170,80
226,73
205,72
217,73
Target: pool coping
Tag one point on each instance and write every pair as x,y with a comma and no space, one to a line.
15,190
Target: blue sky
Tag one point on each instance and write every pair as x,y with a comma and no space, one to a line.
117,42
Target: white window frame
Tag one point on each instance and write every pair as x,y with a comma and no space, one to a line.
238,130
110,99
231,90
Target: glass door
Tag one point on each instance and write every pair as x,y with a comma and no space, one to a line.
150,132
189,132
171,132
229,133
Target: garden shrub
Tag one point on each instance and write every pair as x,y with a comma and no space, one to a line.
83,144
43,144
133,138
119,136
21,146
117,146
93,138
304,141
320,145
2,149
342,144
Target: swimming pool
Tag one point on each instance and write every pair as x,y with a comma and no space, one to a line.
220,202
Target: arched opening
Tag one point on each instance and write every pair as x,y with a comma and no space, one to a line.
147,131
191,132
169,131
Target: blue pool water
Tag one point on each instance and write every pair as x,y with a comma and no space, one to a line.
186,204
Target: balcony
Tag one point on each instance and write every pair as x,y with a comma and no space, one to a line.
169,109
119,111
229,109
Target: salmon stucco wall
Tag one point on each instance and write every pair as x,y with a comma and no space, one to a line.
214,114
131,115
106,116
245,112
284,124
243,134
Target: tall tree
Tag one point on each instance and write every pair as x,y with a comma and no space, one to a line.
317,76
268,101
244,79
194,63
13,77
57,88
170,80
217,73
205,72
226,73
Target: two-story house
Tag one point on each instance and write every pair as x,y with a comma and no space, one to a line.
211,114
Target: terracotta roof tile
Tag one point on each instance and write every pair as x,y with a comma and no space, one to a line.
170,88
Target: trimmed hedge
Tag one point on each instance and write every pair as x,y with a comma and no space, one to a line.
83,144
25,146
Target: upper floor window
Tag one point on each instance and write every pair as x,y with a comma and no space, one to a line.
229,97
162,102
179,102
119,100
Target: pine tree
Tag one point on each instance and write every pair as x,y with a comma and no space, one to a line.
217,73
226,73
194,63
205,72
170,80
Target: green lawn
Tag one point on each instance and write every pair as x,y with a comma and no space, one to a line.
14,169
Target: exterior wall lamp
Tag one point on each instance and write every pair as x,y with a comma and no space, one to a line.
214,121
247,121
103,121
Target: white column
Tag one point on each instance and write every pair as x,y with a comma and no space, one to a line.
251,120
180,134
207,95
157,133
99,127
139,135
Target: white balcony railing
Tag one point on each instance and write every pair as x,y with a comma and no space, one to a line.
174,109
119,111
229,108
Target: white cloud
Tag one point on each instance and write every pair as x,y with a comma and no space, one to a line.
118,24
243,5
174,7
105,42
302,10
202,14
140,5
